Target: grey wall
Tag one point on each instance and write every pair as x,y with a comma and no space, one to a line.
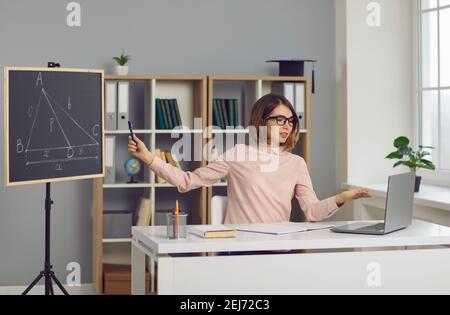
205,37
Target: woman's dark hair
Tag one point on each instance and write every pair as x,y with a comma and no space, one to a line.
262,109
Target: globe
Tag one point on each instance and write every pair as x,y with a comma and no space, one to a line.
132,167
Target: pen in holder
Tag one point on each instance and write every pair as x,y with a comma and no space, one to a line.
176,225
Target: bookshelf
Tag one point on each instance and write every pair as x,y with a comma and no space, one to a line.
195,97
247,90
191,95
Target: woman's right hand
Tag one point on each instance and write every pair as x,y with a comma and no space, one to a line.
138,149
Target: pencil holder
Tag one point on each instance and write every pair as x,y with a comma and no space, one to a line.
176,225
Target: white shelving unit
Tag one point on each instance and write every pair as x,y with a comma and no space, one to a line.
191,93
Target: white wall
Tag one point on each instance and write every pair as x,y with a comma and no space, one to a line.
379,86
178,37
374,77
374,74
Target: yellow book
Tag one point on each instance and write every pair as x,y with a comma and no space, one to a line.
145,212
213,231
170,158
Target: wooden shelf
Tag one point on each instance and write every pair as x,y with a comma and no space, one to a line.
159,131
128,186
191,93
241,131
220,185
116,240
150,131
126,132
257,78
164,186
139,77
236,131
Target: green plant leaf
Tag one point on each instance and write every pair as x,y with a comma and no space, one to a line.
405,150
401,141
394,155
406,163
427,162
122,59
426,166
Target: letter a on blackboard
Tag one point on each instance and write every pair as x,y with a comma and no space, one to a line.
39,79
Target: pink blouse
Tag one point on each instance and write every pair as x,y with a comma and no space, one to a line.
261,184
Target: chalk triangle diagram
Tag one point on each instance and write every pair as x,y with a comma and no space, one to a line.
55,136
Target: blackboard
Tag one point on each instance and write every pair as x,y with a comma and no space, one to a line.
53,125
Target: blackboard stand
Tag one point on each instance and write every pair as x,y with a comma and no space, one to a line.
47,273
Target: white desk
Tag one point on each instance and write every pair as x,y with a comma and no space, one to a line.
414,260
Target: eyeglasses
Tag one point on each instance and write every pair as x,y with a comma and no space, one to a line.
281,120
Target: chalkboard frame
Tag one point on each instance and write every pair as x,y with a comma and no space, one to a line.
7,70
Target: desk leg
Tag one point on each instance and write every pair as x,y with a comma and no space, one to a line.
137,270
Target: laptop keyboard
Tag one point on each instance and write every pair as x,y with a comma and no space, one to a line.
375,227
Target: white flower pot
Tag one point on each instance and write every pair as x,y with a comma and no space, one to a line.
121,70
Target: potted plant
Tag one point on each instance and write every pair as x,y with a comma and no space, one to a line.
413,160
122,68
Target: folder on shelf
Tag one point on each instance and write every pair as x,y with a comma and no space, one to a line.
299,104
110,147
110,105
286,89
123,105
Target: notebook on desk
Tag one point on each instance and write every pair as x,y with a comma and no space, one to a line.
283,228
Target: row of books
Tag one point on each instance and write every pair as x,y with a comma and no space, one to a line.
166,156
167,114
225,113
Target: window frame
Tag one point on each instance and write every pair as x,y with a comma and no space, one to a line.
440,176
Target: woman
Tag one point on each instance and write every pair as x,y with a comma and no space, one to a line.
258,193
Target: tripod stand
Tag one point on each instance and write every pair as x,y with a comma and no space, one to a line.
47,273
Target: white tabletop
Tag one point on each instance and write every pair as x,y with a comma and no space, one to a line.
420,233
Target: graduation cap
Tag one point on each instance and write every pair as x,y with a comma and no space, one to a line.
295,67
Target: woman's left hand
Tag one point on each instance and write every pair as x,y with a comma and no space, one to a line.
352,195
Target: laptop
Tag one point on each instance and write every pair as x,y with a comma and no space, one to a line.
398,209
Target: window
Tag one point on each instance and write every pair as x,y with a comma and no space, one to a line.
434,81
